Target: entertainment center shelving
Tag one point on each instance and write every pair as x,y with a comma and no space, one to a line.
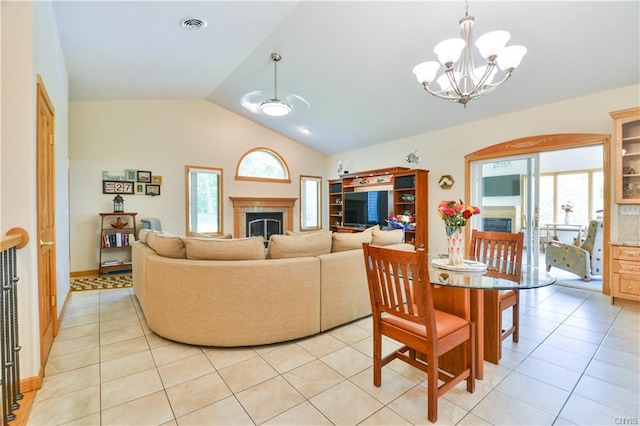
410,193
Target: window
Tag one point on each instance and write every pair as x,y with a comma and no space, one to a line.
310,202
203,188
584,190
262,164
545,213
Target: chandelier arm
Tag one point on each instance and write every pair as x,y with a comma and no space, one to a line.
454,84
439,94
489,88
492,86
479,87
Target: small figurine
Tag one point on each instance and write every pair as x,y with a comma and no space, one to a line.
119,224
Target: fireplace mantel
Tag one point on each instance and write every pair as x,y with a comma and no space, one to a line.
244,205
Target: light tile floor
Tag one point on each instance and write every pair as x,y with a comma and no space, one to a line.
577,363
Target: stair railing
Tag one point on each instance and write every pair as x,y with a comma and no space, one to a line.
10,393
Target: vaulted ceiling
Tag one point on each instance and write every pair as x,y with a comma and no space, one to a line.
352,61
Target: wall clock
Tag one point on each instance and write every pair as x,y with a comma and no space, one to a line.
117,187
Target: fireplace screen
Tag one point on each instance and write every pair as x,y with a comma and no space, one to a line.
264,225
496,224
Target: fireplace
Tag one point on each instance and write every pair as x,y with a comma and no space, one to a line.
502,218
263,225
244,205
499,224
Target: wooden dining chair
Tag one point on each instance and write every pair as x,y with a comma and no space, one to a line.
402,307
502,253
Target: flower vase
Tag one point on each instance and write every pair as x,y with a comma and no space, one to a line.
566,218
455,242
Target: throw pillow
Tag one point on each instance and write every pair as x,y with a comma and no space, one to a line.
342,241
167,245
143,235
287,246
372,228
384,238
251,248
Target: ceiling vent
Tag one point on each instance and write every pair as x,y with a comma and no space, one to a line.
193,24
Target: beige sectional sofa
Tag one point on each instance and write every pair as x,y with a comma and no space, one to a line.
233,292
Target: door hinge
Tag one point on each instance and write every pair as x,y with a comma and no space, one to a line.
53,220
52,139
53,301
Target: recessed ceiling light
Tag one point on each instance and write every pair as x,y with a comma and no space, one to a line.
305,130
193,24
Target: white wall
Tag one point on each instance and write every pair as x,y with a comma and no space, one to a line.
163,137
443,151
588,157
30,46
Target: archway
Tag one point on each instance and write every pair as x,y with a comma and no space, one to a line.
542,143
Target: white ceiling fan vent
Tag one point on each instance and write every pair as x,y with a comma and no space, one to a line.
193,24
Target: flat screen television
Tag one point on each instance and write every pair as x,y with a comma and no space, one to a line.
368,208
501,186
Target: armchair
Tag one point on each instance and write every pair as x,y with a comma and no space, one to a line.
584,260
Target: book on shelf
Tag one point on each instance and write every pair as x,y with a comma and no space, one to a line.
110,263
117,239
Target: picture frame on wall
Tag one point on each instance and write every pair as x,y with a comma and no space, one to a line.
152,190
144,176
156,180
140,188
130,175
117,187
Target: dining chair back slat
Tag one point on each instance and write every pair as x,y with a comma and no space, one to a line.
500,251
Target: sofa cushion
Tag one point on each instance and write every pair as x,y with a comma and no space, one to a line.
343,241
384,238
304,234
167,245
251,248
287,246
217,236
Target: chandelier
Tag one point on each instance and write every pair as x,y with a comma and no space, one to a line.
274,106
461,81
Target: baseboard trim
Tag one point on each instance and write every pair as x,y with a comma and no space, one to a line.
84,273
32,383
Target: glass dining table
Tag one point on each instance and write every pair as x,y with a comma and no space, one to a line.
472,291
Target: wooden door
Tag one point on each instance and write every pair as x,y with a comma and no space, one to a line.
45,194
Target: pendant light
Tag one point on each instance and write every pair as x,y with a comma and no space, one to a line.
274,106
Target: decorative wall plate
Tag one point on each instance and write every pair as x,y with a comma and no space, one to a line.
446,181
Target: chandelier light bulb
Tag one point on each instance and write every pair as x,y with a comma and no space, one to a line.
426,71
449,51
510,57
492,43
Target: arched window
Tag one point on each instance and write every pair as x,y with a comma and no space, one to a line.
262,164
